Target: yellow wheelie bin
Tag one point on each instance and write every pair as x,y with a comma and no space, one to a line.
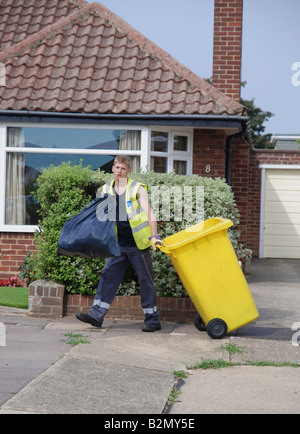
208,267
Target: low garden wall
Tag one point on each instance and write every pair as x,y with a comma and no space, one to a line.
129,307
46,299
49,299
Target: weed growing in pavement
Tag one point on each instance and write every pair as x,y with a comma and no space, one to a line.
220,363
232,349
271,363
212,364
180,374
173,397
76,339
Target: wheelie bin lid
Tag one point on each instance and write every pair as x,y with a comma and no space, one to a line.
195,232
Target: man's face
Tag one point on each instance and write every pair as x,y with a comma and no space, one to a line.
120,170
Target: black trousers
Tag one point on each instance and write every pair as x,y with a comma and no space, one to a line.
111,278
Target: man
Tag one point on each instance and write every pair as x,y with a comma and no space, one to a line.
136,232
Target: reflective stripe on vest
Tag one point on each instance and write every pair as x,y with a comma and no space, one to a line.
137,218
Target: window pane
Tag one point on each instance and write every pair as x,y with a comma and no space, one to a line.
15,201
180,167
21,175
159,164
180,143
70,138
159,141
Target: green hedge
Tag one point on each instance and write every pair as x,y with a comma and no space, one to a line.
64,190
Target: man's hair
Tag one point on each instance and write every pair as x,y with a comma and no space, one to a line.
123,159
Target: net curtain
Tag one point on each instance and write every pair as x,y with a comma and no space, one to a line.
15,211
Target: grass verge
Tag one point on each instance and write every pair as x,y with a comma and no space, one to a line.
14,297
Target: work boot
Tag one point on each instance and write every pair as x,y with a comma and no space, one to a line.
151,327
84,317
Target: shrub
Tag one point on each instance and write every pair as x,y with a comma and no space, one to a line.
27,269
63,191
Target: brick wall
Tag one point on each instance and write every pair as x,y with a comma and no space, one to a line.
46,299
209,153
14,247
210,161
240,155
129,307
228,22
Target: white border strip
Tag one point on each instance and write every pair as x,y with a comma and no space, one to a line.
279,166
2,173
262,213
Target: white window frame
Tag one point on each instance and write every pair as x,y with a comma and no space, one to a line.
3,136
144,153
171,154
182,155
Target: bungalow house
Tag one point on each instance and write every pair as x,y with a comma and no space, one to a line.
78,82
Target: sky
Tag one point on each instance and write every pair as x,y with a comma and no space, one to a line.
271,49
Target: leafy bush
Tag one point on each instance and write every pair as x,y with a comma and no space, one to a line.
62,192
27,269
65,190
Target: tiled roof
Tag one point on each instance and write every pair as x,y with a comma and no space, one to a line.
69,56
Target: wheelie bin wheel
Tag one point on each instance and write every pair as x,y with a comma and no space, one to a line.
199,324
216,328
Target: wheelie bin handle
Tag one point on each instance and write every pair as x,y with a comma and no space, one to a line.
163,248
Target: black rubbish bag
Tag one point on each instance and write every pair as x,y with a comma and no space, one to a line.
91,233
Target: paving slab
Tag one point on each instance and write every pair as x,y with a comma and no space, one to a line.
240,390
80,386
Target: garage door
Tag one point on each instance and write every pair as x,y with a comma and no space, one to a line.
281,237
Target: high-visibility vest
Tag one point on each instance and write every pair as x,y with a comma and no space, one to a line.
137,218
